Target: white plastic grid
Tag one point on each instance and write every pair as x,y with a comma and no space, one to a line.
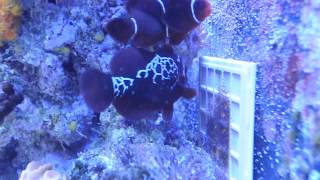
236,79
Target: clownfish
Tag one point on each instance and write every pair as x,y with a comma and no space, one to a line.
179,16
141,29
155,8
140,83
184,15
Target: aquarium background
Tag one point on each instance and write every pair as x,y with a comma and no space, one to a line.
46,44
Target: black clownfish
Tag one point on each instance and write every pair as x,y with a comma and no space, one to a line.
140,84
141,29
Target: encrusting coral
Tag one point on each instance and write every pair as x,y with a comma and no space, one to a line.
38,171
10,11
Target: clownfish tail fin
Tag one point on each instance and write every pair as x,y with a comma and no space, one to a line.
188,93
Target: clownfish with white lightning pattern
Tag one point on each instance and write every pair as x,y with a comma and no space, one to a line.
141,83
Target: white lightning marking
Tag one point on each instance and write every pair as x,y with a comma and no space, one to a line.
163,67
123,82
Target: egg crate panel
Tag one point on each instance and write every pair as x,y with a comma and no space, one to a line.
227,103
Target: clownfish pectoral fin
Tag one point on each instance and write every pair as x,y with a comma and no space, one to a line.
175,37
167,112
96,88
188,93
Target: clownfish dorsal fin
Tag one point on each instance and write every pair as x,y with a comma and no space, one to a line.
193,12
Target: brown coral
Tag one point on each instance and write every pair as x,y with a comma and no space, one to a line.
10,11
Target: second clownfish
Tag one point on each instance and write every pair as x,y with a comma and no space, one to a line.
156,20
